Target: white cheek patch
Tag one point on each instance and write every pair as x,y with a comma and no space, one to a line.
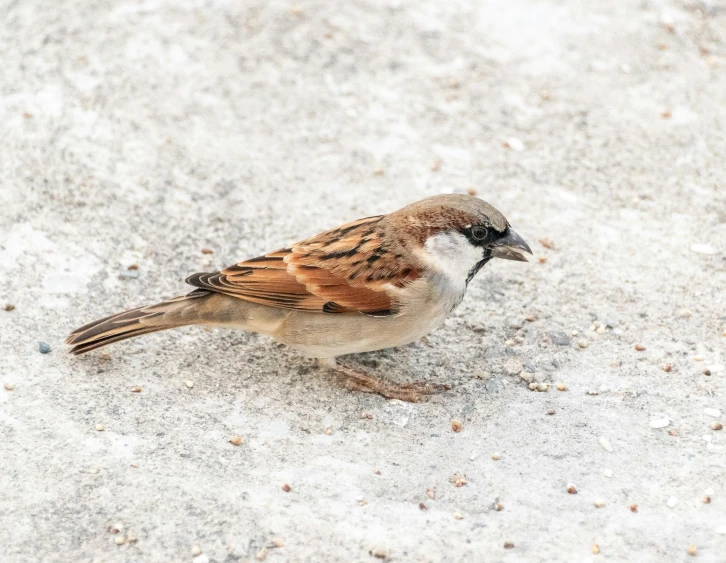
451,254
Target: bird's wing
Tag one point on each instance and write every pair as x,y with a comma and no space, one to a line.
344,270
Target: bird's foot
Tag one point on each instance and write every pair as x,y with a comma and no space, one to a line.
356,379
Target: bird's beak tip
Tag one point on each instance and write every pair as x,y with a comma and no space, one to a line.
511,247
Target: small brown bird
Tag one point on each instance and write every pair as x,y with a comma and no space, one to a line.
375,283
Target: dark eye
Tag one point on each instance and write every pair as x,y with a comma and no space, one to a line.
479,233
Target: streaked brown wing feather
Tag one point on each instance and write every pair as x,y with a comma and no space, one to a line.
344,270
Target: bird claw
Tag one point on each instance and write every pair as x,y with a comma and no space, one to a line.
412,392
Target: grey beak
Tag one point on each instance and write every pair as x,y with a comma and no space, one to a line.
510,247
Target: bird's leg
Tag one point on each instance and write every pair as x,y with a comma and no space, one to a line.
356,379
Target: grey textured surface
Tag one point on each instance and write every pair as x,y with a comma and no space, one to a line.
142,132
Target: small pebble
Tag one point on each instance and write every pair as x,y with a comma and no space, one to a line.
575,332
543,387
286,488
684,313
673,432
277,543
136,389
459,480
599,503
329,431
261,554
532,386
550,411
189,383
456,426
43,347
692,550
639,347
530,318
527,376
672,501
366,416
608,473
100,427
667,368
458,516
605,443
633,508
379,553
422,506
196,550
131,538
716,426
601,329
471,191
207,251
593,393
713,412
133,267
595,549
431,493
119,540
499,507
659,422
508,545
8,307
571,489
582,343
94,470
496,456
105,356
8,386
236,441
514,144
561,387
707,500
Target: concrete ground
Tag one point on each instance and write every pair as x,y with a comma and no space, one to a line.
141,132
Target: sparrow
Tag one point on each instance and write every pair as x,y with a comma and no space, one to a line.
378,282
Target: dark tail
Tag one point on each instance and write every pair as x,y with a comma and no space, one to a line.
179,311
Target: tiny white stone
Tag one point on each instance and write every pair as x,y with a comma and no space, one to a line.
605,443
713,412
661,422
575,332
582,343
189,383
196,550
608,473
599,503
703,248
514,144
672,501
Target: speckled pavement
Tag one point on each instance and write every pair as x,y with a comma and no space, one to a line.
140,133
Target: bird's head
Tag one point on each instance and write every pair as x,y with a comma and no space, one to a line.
457,234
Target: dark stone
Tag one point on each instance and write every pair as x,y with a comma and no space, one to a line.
559,338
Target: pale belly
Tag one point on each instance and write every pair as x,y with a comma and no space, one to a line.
329,335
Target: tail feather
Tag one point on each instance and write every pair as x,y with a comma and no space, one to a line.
135,322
